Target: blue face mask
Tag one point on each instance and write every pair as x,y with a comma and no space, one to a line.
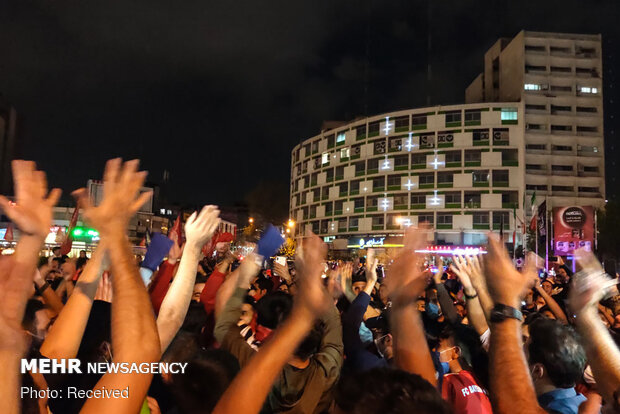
445,368
432,310
365,334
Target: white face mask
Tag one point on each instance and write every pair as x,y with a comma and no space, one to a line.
443,357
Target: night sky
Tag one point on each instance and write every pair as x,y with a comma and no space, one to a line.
218,93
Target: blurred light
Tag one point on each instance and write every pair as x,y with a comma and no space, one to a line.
251,220
291,223
288,230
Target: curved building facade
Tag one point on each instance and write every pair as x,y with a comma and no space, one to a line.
459,168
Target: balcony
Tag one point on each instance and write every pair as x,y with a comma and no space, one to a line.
353,228
418,127
480,143
338,213
445,185
500,183
393,187
371,209
373,171
378,189
510,163
429,185
343,193
445,145
393,227
401,207
359,209
418,166
418,206
472,163
453,164
453,205
497,226
446,226
377,226
481,184
481,226
401,167
511,205
360,173
354,192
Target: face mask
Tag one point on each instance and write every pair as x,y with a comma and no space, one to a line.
365,334
432,310
445,368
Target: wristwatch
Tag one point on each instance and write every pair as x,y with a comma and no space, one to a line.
500,313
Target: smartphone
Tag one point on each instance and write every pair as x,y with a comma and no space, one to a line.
281,260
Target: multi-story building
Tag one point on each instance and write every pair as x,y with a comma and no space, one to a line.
533,123
558,77
459,168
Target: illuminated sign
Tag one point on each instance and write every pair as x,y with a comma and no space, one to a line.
453,250
371,242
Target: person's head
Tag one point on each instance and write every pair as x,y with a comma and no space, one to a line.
82,254
386,390
68,269
36,321
547,286
555,355
546,312
311,343
247,311
421,304
358,283
562,275
283,288
272,309
261,287
55,263
461,309
207,375
56,251
198,287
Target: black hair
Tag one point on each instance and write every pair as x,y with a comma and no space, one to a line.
273,308
206,377
264,284
195,318
81,262
359,277
55,248
249,300
474,358
557,348
386,390
310,345
200,278
42,262
60,260
32,307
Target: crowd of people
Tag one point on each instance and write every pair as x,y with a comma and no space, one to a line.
425,335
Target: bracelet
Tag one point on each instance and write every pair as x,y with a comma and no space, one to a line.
474,296
43,287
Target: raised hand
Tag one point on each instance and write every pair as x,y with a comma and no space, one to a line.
406,278
312,296
590,285
282,271
371,267
32,211
121,187
466,268
200,227
506,285
176,251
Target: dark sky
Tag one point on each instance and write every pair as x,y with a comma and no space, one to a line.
218,92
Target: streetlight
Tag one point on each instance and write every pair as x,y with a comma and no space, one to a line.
291,223
251,220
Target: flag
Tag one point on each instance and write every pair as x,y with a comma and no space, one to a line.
143,242
65,247
533,224
8,236
533,200
176,228
147,238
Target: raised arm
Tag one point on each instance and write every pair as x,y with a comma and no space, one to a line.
512,390
65,335
198,229
134,332
311,301
50,297
591,285
463,267
32,214
406,280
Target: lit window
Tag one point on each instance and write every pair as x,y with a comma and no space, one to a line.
345,152
162,211
532,87
325,158
587,89
509,114
169,212
340,137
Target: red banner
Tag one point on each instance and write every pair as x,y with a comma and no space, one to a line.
573,228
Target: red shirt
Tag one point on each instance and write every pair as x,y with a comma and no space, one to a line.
464,394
